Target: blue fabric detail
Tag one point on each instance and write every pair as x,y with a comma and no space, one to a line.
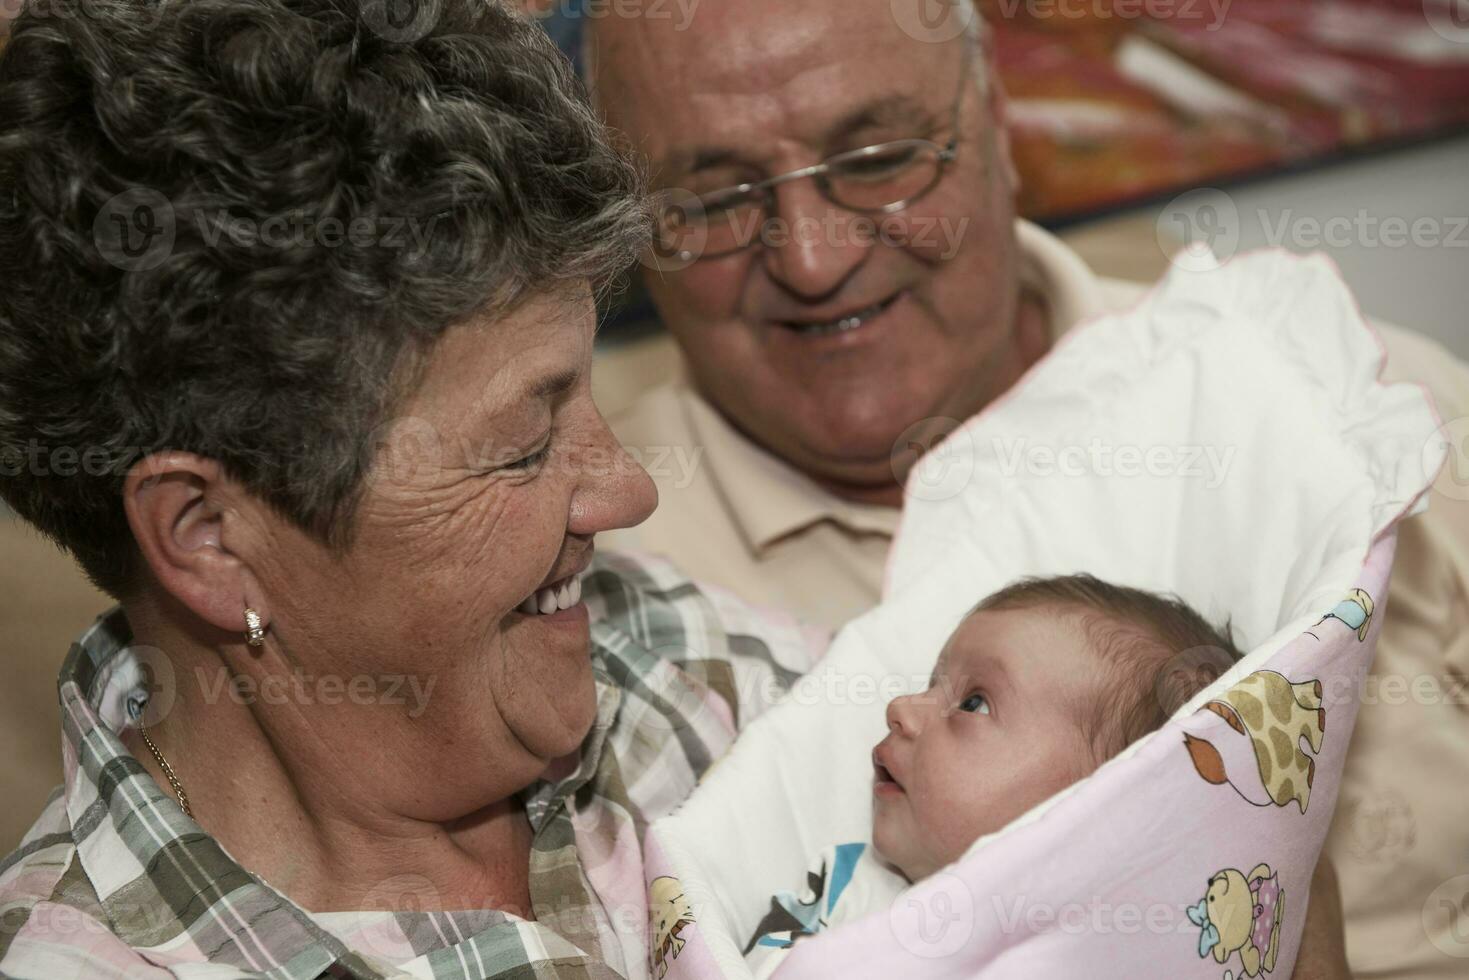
1349,612
1208,933
808,915
843,865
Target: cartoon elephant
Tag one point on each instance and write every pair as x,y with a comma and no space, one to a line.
1241,914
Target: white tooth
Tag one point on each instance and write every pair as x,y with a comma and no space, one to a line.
576,590
546,600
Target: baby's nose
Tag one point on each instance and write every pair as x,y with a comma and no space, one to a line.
901,716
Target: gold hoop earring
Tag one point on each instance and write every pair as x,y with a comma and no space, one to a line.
254,628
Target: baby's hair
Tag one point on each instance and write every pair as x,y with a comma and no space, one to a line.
1157,652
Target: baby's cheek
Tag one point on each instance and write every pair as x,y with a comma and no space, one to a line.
962,817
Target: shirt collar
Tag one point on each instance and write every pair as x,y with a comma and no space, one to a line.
1058,275
769,499
157,874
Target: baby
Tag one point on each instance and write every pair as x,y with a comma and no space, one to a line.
1038,686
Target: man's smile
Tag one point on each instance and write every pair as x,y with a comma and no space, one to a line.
821,325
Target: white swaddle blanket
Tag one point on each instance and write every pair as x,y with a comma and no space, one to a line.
1229,441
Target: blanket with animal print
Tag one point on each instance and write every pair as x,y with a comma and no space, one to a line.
1228,440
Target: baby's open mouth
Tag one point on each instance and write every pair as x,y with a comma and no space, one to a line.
882,777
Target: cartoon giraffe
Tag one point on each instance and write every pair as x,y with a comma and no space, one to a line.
1272,714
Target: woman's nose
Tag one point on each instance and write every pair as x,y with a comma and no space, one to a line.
613,491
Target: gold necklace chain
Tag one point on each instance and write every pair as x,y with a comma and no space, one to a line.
173,779
178,787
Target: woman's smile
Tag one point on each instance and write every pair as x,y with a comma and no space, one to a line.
558,604
561,596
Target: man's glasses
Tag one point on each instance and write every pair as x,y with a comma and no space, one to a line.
875,180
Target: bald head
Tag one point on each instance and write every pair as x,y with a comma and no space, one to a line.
764,61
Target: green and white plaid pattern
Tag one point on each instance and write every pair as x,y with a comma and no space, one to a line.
114,881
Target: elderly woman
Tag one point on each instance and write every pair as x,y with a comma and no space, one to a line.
294,348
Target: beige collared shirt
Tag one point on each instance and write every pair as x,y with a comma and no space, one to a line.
733,515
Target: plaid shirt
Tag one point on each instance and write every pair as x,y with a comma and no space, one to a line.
113,880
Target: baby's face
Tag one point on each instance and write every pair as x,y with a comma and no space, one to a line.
996,733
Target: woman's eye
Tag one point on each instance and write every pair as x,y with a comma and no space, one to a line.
975,703
533,460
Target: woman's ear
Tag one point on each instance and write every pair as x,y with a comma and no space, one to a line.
175,507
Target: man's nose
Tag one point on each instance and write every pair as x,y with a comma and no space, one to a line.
613,488
812,246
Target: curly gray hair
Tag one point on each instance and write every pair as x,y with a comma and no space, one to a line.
234,227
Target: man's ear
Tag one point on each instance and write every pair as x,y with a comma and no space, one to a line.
997,102
175,504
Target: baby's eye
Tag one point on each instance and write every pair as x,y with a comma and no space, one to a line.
975,703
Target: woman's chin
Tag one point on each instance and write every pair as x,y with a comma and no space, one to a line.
565,632
565,715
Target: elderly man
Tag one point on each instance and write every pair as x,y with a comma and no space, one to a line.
874,283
